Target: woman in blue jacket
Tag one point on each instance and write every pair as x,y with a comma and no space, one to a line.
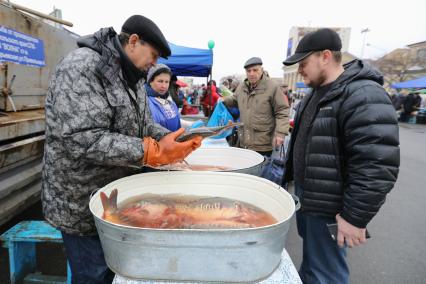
163,109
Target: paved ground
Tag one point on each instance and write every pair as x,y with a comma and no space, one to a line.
396,253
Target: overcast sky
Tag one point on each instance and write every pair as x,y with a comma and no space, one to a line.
246,28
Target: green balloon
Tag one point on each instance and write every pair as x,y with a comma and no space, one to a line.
211,44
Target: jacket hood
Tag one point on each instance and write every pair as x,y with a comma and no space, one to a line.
358,70
102,42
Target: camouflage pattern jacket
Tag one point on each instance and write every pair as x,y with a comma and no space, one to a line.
94,125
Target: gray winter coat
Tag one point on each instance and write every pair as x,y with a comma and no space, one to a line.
263,111
94,130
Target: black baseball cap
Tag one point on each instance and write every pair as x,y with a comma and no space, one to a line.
149,32
319,40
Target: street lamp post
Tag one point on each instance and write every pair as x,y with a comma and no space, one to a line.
364,31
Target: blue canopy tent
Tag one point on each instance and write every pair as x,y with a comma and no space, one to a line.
188,61
416,83
301,85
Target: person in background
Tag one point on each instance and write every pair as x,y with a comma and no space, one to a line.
210,98
284,89
410,105
262,110
234,85
290,96
423,101
163,109
218,89
194,96
201,90
225,89
398,100
180,94
174,91
200,94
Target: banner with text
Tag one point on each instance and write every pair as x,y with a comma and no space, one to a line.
20,48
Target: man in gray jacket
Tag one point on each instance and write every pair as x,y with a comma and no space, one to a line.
263,110
99,129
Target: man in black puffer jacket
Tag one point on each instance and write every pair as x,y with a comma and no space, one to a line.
343,156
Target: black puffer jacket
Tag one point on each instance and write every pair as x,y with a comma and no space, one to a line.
352,150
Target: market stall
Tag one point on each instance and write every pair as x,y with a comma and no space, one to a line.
188,61
411,84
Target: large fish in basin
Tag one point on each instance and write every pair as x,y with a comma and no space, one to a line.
183,212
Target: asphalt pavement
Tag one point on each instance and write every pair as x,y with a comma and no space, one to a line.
396,252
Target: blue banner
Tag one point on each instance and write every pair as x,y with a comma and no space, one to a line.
20,48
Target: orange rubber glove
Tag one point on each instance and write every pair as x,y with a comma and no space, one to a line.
167,150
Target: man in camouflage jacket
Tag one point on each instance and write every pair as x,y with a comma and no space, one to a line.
96,121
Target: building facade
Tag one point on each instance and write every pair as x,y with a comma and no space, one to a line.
291,77
402,64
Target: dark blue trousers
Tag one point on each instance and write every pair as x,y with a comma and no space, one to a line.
324,261
86,259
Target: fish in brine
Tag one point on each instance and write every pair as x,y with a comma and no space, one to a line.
218,212
184,212
140,214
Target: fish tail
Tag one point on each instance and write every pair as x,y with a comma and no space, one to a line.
109,203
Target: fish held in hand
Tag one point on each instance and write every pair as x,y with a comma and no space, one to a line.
205,132
184,166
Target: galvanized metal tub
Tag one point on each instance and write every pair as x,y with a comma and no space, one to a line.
227,255
237,159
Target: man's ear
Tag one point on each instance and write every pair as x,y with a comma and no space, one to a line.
133,39
327,55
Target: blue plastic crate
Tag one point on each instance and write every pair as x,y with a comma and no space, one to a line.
21,240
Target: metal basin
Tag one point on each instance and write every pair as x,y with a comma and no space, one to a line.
226,255
239,160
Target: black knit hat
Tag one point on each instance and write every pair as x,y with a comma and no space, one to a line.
319,40
149,32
